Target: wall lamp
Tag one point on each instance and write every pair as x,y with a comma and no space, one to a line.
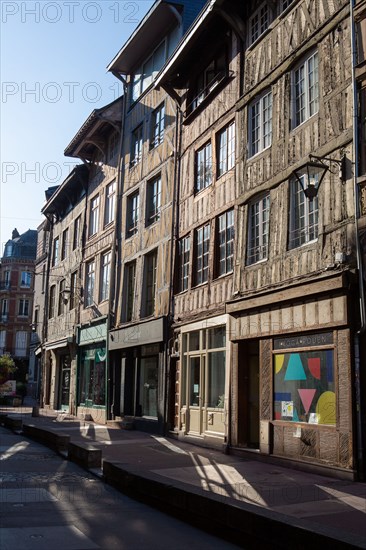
311,174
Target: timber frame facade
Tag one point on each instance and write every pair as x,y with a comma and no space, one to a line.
222,305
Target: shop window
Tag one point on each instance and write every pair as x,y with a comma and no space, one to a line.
148,395
304,386
303,216
305,85
204,358
92,377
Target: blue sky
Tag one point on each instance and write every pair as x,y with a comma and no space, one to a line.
53,73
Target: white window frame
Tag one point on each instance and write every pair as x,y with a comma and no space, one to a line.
184,249
55,253
136,145
133,214
94,216
226,149
76,235
153,200
203,176
305,89
260,124
23,307
110,197
303,227
258,230
105,275
89,283
201,254
157,126
225,243
65,243
144,75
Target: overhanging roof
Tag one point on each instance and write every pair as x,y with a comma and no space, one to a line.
160,18
65,190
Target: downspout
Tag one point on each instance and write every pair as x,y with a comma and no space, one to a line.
114,288
360,271
174,236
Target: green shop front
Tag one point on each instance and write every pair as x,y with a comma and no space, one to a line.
92,372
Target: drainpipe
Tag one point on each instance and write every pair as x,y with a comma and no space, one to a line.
360,270
114,288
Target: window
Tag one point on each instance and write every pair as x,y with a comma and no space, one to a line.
183,259
4,309
73,289
21,343
157,126
61,298
304,385
56,244
226,242
2,340
146,73
23,309
133,205
203,360
202,243
306,90
150,282
94,216
153,201
25,279
285,4
258,23
51,305
130,279
92,376
260,124
89,283
76,237
113,145
43,277
258,230
226,149
204,167
136,145
105,276
65,243
208,78
110,195
303,216
7,279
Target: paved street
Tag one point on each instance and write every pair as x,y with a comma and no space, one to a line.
50,503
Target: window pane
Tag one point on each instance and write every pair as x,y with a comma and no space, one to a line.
216,379
149,386
217,337
195,373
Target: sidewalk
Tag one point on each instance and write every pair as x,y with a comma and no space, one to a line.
253,501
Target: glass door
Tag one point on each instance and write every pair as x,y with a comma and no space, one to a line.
65,382
196,394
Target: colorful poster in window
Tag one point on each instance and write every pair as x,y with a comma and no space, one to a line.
304,387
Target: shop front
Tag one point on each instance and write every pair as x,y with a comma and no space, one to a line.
138,360
203,382
291,392
59,383
92,372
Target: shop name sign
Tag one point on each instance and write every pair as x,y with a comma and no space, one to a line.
304,341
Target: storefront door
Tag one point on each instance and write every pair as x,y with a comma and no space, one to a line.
248,411
65,382
196,394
